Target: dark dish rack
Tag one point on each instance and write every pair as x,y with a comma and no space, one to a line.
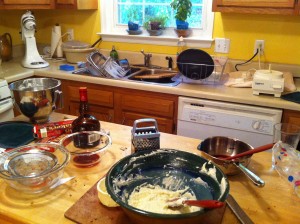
201,77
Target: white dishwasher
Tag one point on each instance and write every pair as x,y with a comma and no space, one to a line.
201,119
6,102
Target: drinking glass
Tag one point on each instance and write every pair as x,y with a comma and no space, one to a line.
285,157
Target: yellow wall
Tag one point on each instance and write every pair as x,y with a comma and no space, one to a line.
281,33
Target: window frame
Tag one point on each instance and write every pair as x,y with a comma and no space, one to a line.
117,33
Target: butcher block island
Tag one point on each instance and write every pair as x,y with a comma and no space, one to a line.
276,202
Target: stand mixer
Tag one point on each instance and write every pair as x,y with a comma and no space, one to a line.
32,57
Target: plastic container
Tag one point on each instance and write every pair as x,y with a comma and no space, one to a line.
77,55
76,51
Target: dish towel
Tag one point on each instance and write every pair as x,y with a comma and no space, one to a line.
14,134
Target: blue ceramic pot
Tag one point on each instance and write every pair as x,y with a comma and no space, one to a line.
182,25
134,26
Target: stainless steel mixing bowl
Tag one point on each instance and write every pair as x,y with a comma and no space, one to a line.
36,98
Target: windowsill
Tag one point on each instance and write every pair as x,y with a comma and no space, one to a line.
167,40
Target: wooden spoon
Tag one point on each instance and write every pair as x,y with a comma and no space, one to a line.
250,152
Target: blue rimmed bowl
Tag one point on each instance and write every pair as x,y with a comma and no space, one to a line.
158,167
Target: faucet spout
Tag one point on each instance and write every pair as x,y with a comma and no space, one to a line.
170,62
147,57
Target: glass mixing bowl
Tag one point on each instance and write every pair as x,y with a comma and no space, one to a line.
33,168
86,147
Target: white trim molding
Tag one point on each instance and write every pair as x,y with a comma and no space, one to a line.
200,38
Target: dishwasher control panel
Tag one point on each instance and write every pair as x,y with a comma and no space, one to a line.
228,115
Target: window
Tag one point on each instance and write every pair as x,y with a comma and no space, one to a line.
116,13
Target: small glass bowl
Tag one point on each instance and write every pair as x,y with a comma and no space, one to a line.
86,147
103,196
33,168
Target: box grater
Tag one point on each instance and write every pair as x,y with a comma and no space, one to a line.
144,137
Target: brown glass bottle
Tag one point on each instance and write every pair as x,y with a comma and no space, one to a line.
85,122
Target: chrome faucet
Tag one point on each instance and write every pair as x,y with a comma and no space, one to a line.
147,57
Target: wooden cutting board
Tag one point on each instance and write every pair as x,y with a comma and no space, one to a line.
88,209
155,76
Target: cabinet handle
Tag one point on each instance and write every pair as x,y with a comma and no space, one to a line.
109,117
123,121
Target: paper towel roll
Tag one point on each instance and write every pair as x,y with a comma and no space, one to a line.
56,50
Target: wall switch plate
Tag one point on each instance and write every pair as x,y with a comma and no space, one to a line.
222,45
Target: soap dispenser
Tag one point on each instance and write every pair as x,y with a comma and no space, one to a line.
114,54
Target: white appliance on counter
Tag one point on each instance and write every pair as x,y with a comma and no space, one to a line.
201,119
6,103
32,58
268,82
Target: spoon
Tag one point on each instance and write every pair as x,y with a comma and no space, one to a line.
61,181
250,152
179,202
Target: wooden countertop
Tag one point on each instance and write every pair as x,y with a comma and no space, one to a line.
274,203
12,71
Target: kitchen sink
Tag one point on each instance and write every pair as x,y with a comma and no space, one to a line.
145,75
155,76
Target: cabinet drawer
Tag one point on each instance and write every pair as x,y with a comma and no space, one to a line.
95,96
164,124
148,105
101,113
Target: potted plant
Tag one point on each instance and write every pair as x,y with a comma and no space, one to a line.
155,24
133,21
183,9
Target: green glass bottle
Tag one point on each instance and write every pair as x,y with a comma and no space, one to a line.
114,54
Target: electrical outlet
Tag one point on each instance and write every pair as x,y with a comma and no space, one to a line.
259,44
70,35
222,45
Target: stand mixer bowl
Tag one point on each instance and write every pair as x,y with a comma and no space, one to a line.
36,98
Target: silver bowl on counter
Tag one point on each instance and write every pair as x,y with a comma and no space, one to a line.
217,148
36,98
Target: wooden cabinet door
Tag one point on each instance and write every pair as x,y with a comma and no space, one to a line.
28,4
292,117
76,4
256,6
131,105
100,100
258,3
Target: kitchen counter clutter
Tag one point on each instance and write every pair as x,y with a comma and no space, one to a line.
276,202
12,71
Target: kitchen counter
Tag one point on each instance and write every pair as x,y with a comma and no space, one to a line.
274,203
12,71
